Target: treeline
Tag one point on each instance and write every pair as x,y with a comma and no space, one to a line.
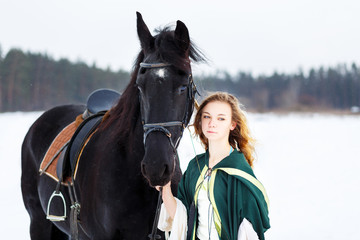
334,88
30,82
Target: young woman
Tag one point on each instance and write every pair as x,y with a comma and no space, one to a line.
218,196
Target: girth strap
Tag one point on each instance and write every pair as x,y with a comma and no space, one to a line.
74,212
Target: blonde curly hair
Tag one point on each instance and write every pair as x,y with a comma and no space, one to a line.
239,138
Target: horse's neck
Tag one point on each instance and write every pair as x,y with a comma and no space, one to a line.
138,138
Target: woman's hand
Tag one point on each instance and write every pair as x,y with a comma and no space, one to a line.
166,190
166,186
168,199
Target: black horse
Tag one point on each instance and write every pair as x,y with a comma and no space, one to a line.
132,151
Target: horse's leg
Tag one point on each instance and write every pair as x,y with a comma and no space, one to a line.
36,190
40,227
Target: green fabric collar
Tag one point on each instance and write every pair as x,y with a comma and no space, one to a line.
234,160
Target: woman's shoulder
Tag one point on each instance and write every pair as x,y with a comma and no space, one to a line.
240,158
236,160
197,162
198,159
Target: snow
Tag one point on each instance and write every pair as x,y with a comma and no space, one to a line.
308,164
14,221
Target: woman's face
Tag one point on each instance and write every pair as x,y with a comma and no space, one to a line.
216,121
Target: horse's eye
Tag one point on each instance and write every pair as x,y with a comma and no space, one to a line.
182,88
142,70
181,73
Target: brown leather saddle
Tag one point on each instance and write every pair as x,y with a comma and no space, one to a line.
62,158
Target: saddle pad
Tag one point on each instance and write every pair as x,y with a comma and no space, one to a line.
60,140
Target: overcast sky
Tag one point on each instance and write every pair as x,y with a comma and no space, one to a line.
258,36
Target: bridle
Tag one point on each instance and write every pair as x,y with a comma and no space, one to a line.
162,126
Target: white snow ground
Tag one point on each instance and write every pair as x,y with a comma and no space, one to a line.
308,163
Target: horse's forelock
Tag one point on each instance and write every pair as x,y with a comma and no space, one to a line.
167,50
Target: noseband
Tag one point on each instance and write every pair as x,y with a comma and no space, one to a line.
161,126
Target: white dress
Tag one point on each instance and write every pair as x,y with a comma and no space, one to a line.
178,225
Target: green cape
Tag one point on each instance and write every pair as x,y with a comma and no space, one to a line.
235,194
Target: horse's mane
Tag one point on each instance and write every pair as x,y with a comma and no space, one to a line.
124,116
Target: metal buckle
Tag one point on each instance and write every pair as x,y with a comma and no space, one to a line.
55,218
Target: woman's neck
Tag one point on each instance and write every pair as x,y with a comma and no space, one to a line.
217,152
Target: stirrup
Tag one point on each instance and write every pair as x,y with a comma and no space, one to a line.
55,218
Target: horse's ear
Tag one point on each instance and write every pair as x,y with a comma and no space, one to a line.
145,37
182,35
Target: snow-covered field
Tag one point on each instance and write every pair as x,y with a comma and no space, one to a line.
308,163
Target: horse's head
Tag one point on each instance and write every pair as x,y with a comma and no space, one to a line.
166,91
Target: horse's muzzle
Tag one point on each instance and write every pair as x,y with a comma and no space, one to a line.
158,165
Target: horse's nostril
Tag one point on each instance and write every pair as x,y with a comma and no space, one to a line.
166,170
143,169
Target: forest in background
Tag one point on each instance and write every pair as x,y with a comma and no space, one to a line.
34,81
